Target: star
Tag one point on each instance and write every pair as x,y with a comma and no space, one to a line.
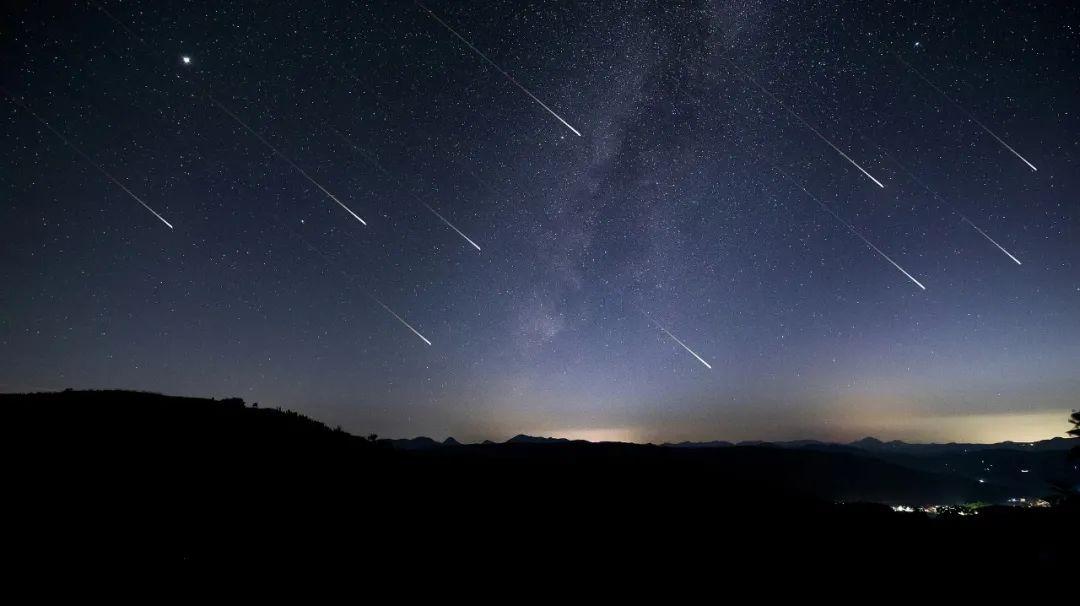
186,60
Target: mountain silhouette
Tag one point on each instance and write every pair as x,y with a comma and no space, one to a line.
709,444
417,443
1050,445
162,478
524,439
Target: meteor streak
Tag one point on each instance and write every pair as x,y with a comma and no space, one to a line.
945,202
970,116
400,319
451,225
852,229
120,23
378,166
493,64
931,191
981,232
224,109
804,122
283,157
346,274
84,156
676,339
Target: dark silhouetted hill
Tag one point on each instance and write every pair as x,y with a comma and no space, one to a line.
524,439
1023,469
148,477
898,447
710,444
418,443
126,423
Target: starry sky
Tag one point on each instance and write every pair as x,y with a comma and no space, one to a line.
678,214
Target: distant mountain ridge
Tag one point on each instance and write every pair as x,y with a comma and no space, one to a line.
102,429
426,443
524,439
181,480
868,444
872,444
1050,445
417,443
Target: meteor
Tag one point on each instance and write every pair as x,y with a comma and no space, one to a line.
120,23
970,116
86,157
236,118
945,202
283,157
933,193
493,64
348,275
852,229
378,166
981,232
451,225
804,122
676,339
400,319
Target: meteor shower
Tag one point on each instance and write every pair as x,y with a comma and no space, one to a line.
472,274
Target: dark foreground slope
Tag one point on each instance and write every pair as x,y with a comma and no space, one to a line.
150,478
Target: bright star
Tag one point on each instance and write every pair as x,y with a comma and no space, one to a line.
186,59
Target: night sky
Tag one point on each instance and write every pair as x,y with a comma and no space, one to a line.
668,219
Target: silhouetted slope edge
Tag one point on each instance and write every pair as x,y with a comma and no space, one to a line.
112,417
142,474
181,435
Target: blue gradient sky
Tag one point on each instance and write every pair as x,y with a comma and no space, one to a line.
667,203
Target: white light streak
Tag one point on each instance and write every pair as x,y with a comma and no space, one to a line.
992,241
970,116
805,123
87,158
677,340
933,193
378,166
451,225
500,70
852,229
400,319
284,157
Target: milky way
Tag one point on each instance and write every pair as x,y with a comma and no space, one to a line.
519,248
